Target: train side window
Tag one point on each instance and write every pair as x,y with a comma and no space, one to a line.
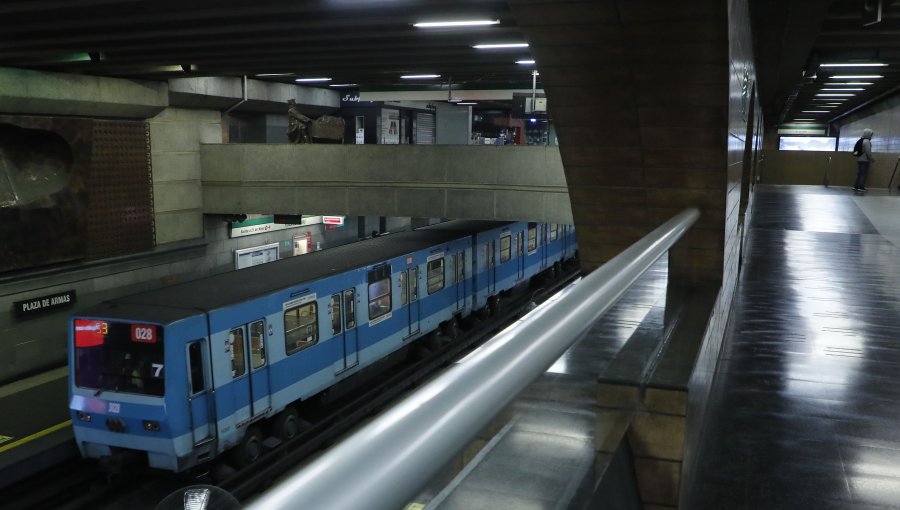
195,358
413,283
505,243
335,313
238,356
258,344
404,289
532,236
554,231
435,275
461,267
379,298
301,327
350,309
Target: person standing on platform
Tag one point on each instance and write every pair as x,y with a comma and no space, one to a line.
863,160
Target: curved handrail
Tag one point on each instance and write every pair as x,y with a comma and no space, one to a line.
385,464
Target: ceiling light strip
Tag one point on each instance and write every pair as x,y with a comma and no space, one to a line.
445,24
499,46
854,64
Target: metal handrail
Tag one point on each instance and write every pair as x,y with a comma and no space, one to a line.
893,174
385,464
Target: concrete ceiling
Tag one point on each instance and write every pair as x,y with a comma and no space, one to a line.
794,38
372,43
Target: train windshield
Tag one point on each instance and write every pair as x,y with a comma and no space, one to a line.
119,356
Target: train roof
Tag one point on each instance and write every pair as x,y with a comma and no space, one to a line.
468,226
175,302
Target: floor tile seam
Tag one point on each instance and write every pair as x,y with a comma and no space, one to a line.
844,471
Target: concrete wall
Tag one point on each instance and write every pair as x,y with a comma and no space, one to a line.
883,118
479,182
175,138
744,117
820,168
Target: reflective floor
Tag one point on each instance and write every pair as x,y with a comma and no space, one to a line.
806,404
540,459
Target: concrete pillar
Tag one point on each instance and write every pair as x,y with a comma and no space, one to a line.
639,94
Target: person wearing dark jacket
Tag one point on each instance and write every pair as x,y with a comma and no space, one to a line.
863,161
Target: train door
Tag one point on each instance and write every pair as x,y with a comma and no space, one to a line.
237,346
459,265
491,262
520,255
261,399
199,400
542,244
411,290
343,326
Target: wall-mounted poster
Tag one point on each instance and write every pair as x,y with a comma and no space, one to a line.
390,126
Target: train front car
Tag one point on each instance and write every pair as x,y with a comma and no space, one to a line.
121,383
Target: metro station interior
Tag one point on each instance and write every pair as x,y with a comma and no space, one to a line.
669,281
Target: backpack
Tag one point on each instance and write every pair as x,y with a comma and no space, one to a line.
858,148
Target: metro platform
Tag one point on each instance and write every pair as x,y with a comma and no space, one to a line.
805,403
803,409
35,430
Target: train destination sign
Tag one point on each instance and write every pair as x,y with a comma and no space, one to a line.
42,304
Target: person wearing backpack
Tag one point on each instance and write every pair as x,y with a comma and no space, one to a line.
863,152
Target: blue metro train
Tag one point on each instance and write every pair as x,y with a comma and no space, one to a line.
179,375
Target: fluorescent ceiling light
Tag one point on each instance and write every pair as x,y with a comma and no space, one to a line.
466,104
836,95
848,83
829,99
803,120
841,90
276,74
499,46
856,77
441,24
525,62
312,80
419,76
814,111
854,64
343,85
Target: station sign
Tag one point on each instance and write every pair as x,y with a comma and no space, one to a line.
38,305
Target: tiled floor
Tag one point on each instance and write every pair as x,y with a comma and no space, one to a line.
806,403
541,458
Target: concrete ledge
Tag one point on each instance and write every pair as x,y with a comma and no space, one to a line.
44,93
221,93
644,394
458,181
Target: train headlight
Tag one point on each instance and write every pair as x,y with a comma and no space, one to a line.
83,416
151,426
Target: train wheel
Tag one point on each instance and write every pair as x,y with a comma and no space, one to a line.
250,449
450,329
287,425
494,304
